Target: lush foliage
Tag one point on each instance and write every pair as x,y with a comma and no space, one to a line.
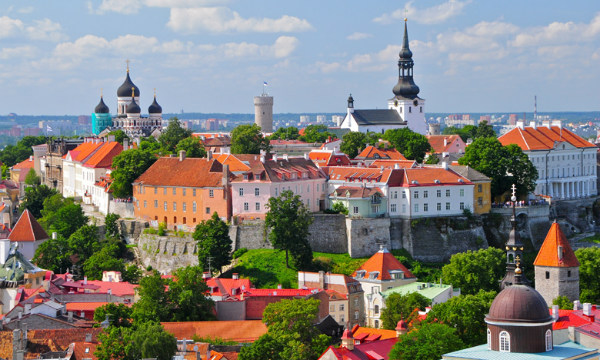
472,132
173,135
412,145
429,341
128,166
505,165
34,199
589,282
563,303
248,139
112,226
285,133
14,154
402,307
192,146
316,133
32,179
338,207
145,340
472,271
117,314
119,136
288,218
291,333
214,242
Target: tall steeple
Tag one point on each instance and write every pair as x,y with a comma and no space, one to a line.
406,87
514,249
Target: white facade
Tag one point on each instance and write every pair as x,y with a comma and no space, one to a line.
430,201
411,111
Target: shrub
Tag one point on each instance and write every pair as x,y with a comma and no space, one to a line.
162,229
239,252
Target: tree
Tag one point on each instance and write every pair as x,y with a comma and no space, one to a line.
84,243
589,282
466,314
153,304
563,302
412,145
119,136
173,135
68,219
484,130
353,143
132,274
14,154
192,146
248,139
288,133
128,166
34,199
112,226
472,271
32,179
401,307
316,133
288,219
429,341
119,315
145,340
524,173
114,343
291,333
104,260
53,255
213,241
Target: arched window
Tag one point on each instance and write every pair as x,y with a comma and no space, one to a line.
376,324
504,341
549,340
376,309
489,339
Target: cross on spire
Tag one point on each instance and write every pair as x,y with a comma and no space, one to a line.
514,190
127,61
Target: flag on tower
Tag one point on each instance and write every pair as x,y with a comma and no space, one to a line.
48,128
265,83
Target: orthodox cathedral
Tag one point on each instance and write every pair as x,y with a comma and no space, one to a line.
129,117
405,109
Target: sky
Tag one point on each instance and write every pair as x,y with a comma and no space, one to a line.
57,57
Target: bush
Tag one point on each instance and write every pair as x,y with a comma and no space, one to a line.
239,252
162,229
339,208
150,231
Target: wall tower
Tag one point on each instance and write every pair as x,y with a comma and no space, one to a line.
263,111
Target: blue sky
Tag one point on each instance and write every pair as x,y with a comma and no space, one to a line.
213,55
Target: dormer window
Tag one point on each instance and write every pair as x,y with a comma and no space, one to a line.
397,274
373,275
361,274
246,176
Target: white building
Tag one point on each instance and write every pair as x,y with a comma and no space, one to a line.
566,163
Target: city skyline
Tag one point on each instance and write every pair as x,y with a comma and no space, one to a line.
214,55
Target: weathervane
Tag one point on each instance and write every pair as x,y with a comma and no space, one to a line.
127,61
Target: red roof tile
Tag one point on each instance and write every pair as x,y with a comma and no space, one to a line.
373,350
27,229
25,164
223,287
84,150
356,192
381,264
373,153
430,176
567,318
549,252
391,164
192,172
328,158
104,156
278,292
84,306
542,138
241,331
437,142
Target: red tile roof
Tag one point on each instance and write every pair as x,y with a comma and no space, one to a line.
104,156
356,192
122,288
279,292
429,176
374,350
391,164
568,318
437,143
360,174
373,153
241,331
223,287
380,265
549,252
27,229
84,306
281,170
192,172
83,151
235,164
542,138
43,341
25,164
328,158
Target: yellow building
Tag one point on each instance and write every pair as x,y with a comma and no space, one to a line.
482,192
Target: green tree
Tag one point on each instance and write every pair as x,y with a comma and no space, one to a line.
472,271
432,160
119,315
316,133
32,179
104,260
192,146
213,241
53,255
119,136
589,281
145,340
291,333
289,219
112,226
34,199
524,173
68,219
484,130
132,274
412,145
248,139
466,314
563,302
402,307
353,143
83,243
128,166
153,304
173,135
114,343
430,341
285,133
14,154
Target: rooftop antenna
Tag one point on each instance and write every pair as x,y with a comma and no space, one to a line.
534,107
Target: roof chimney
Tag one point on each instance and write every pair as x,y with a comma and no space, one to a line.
285,157
279,286
401,328
85,280
445,141
348,340
587,309
262,158
445,165
532,124
305,156
235,276
322,279
521,124
576,304
182,155
70,316
125,143
396,166
554,312
275,157
88,337
206,275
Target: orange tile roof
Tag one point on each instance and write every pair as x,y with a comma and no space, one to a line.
84,306
371,152
382,263
548,254
328,158
347,173
385,334
241,331
542,138
433,176
104,156
43,341
233,162
83,151
437,142
192,172
356,192
568,318
390,164
27,229
25,164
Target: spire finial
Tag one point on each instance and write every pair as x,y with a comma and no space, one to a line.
132,92
101,92
127,61
155,93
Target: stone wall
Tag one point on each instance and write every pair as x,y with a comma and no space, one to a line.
366,235
124,209
167,253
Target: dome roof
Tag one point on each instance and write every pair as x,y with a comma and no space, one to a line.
154,108
406,88
133,107
101,108
519,304
125,89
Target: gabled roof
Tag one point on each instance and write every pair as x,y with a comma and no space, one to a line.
391,164
377,117
223,287
431,176
543,138
103,157
380,265
83,151
25,164
347,173
373,153
235,165
356,192
469,173
282,170
27,229
549,252
191,172
373,350
328,158
241,331
437,142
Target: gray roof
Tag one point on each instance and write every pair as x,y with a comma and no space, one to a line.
378,117
469,173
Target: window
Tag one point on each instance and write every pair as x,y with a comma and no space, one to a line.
145,203
276,191
395,195
194,192
425,207
393,208
155,190
489,339
194,206
439,193
447,192
241,191
356,315
208,210
331,308
256,191
568,273
439,206
480,201
409,110
462,205
416,208
245,206
376,309
548,340
184,207
447,206
341,307
183,191
425,193
355,210
355,302
416,194
341,318
165,191
547,274
462,192
257,206
420,109
403,208
376,324
504,341
156,203
174,191
479,188
165,204
211,193
403,194
174,206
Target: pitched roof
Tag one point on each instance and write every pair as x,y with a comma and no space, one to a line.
431,176
43,341
103,157
84,306
385,334
282,170
437,142
235,164
356,192
379,266
391,164
328,158
279,292
347,173
371,152
543,138
241,331
469,173
25,164
27,229
84,151
223,287
372,350
549,252
191,172
377,117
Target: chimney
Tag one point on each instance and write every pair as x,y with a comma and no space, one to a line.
275,157
125,144
235,276
554,312
111,138
225,180
20,316
285,157
321,279
445,142
206,275
85,280
262,158
396,166
182,155
70,316
306,156
557,123
209,154
30,157
587,309
532,124
401,328
348,340
279,286
445,165
576,304
521,124
560,253
27,308
54,235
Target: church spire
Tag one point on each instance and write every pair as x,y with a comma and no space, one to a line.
406,87
514,249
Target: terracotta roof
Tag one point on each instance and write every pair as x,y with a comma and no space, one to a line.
549,252
83,151
373,153
437,142
356,192
192,172
430,176
360,174
241,331
84,350
43,341
122,288
235,164
279,292
104,156
281,170
391,164
328,158
379,266
568,318
84,306
25,164
469,173
27,229
542,138
373,350
223,287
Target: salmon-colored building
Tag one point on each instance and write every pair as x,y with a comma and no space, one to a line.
182,192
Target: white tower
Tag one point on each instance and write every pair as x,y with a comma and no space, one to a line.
263,112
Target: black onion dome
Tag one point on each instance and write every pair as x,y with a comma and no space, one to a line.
125,89
133,107
101,108
406,88
405,53
520,304
154,108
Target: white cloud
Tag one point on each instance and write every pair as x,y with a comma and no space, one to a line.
10,27
221,19
283,47
431,15
126,7
26,10
559,33
21,52
46,30
358,36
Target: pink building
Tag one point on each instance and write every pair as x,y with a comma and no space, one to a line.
446,144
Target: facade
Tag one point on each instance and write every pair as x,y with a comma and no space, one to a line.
27,234
405,109
51,165
556,267
566,163
182,192
446,144
19,172
361,202
482,188
263,112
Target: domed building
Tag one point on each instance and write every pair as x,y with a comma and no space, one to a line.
129,115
